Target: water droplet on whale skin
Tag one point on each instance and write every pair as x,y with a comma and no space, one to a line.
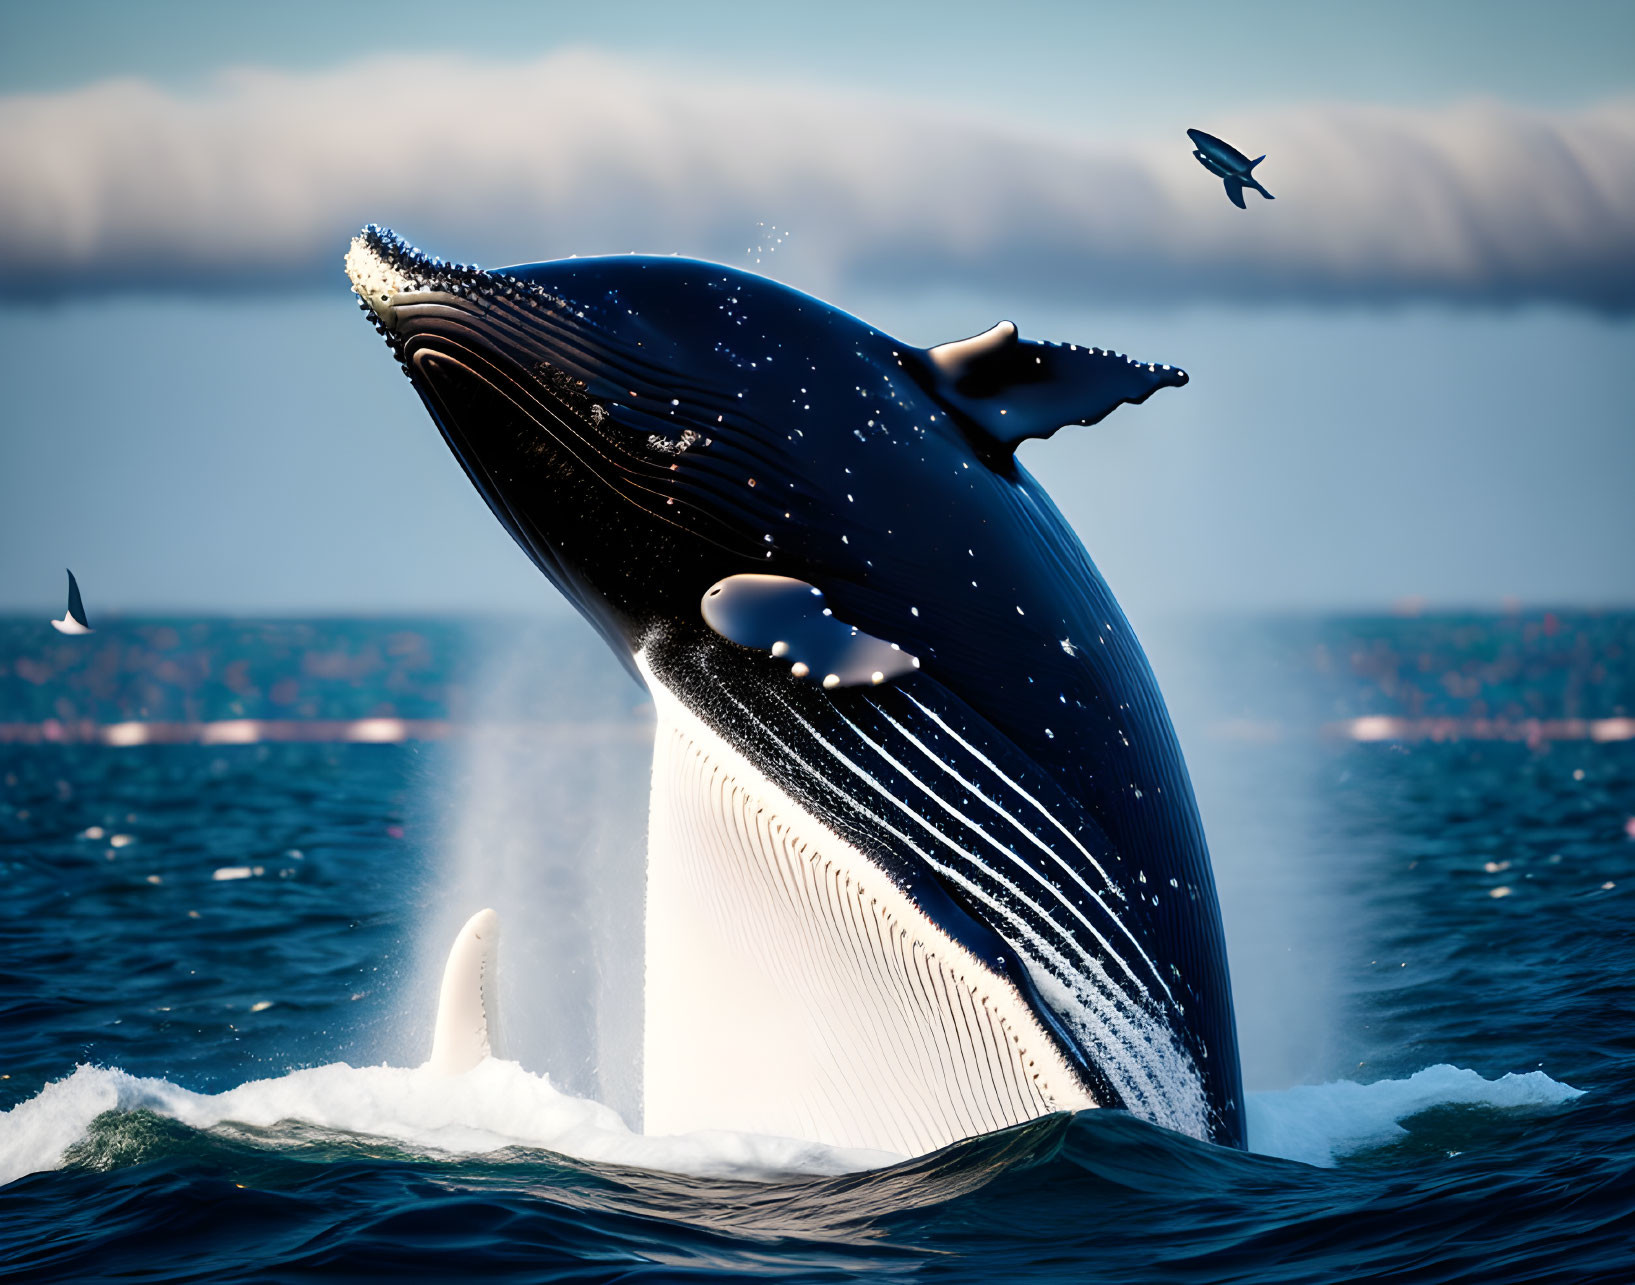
787,619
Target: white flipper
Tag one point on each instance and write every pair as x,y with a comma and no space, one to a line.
466,1008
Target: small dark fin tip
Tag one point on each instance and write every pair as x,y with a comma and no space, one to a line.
76,605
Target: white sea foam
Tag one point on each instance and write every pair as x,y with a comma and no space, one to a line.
498,1104
1320,1123
495,1105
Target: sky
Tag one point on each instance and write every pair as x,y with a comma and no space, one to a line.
1411,371
1035,61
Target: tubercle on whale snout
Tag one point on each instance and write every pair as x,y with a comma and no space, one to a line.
383,268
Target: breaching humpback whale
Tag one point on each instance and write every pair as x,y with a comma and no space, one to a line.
923,856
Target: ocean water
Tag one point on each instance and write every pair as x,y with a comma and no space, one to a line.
234,853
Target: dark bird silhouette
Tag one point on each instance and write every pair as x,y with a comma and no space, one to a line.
1227,163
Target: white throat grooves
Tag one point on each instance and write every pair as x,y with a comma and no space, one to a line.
792,989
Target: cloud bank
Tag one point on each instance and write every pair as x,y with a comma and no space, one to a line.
255,182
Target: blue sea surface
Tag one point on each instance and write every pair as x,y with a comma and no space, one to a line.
218,966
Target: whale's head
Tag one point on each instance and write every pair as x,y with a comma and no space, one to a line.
716,469
646,426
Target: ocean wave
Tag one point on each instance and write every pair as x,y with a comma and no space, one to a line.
499,1105
1319,1124
494,1106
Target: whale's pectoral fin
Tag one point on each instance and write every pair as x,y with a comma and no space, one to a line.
1234,192
787,618
1010,389
467,1027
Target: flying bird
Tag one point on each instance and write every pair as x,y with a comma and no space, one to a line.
1226,162
73,620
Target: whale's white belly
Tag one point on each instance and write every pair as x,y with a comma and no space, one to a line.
792,989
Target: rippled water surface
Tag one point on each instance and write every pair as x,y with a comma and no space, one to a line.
218,957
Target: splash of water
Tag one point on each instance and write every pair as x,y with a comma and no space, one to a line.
499,1105
1321,1123
494,1106
545,820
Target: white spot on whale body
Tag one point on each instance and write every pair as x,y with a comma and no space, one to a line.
788,619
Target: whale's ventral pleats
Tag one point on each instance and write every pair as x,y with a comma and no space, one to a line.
787,618
1008,389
